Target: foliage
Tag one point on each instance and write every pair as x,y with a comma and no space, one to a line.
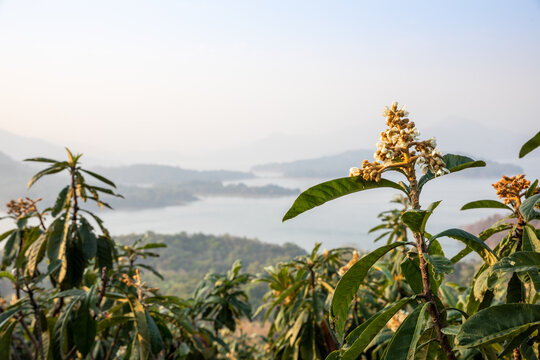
509,272
79,294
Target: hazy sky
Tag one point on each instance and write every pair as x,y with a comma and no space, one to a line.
195,78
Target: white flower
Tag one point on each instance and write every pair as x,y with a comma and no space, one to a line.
354,171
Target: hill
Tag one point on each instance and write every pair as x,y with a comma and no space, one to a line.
188,257
338,165
143,186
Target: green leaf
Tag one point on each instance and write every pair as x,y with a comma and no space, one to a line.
35,254
89,241
5,341
483,204
5,274
517,341
60,201
520,261
333,189
472,242
41,159
484,235
55,234
530,145
403,343
498,323
156,341
113,321
144,347
410,267
48,171
531,189
530,240
104,253
351,280
441,265
85,327
527,208
360,338
453,163
100,178
416,219
515,290
10,248
8,314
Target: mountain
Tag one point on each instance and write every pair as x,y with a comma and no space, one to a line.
143,186
146,174
338,166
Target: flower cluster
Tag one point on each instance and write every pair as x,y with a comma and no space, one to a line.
399,146
355,257
512,188
22,207
396,320
137,283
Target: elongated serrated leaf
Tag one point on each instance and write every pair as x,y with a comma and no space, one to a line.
441,265
333,189
143,333
520,261
416,219
107,323
62,251
361,339
403,343
48,171
531,189
42,159
60,201
351,280
5,341
482,204
516,341
453,163
104,253
89,241
484,235
413,219
35,253
85,327
514,291
6,234
498,323
156,341
410,267
10,248
100,178
527,208
7,275
530,241
530,145
472,242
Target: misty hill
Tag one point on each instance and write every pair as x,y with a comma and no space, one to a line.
338,166
148,174
143,186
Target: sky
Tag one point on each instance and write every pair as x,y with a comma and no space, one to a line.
234,83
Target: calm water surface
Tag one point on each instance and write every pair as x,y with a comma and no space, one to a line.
344,221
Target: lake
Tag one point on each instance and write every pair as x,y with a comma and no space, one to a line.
344,221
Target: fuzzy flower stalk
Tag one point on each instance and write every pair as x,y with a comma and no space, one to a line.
399,147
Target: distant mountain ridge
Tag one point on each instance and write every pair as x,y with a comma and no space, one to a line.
145,174
338,165
144,186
